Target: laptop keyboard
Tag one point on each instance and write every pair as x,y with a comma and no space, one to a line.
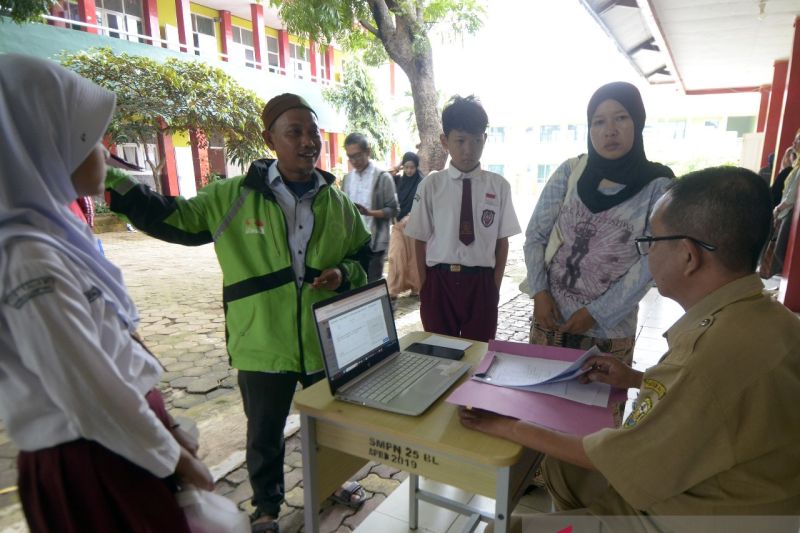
394,377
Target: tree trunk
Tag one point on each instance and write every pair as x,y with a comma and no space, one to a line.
404,37
429,123
155,166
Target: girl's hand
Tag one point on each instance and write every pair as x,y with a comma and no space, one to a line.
185,439
192,471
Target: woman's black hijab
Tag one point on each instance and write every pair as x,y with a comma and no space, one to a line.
632,170
407,185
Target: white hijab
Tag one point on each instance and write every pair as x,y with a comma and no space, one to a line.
50,120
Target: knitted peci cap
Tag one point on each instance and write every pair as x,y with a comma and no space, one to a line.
279,105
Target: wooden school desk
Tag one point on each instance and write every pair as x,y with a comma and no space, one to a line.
338,438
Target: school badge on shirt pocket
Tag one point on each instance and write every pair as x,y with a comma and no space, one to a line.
487,218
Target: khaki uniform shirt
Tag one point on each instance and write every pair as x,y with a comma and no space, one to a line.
716,427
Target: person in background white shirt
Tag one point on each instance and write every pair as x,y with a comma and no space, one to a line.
373,192
77,387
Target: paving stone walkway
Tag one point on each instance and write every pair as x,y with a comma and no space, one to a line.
178,292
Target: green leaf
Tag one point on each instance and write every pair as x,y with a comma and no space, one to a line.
181,94
356,96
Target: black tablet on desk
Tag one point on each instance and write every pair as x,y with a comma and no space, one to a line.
436,351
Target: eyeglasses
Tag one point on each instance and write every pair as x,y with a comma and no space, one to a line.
643,243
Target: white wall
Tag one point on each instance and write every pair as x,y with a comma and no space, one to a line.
183,161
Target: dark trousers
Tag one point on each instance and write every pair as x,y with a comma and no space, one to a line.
461,304
267,399
373,265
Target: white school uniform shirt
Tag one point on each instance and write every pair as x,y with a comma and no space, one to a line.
69,369
359,189
436,212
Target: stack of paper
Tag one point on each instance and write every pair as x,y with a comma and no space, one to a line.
543,409
546,376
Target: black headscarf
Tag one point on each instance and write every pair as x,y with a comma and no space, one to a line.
632,170
407,185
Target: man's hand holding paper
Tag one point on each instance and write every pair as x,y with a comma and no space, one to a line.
610,370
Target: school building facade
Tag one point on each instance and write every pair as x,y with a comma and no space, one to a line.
248,40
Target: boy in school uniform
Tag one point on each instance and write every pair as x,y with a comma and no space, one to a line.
461,220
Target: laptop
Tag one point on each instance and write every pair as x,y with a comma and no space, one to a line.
363,361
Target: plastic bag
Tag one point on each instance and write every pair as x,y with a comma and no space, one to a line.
207,512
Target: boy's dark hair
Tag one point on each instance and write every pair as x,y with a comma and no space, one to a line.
729,207
464,114
359,139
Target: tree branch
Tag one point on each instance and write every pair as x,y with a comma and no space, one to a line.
369,27
383,18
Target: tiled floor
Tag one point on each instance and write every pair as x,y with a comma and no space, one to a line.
656,314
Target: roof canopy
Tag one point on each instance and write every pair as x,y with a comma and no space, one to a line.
703,45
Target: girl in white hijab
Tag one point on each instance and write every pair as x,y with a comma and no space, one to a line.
77,390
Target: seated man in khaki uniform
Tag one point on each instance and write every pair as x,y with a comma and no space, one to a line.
713,442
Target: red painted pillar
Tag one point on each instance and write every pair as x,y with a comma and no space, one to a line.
169,173
774,115
226,31
790,116
789,292
107,143
391,78
790,284
87,13
312,53
283,50
150,11
329,62
762,109
334,148
184,25
259,37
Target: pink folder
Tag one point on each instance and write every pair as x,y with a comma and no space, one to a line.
549,411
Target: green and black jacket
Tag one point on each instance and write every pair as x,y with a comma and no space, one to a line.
269,324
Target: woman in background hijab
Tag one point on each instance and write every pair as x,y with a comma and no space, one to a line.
584,272
403,275
77,389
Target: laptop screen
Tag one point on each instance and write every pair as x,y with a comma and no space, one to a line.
356,331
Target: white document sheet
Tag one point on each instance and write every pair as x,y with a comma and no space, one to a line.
589,394
547,376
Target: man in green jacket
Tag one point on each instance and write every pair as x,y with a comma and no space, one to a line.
285,239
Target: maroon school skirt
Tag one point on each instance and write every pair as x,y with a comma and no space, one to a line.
80,486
